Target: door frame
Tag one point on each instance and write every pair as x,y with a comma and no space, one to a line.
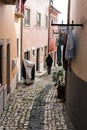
1,44
37,59
8,66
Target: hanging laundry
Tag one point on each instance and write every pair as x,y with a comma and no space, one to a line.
60,39
69,46
63,38
65,62
22,5
58,44
59,55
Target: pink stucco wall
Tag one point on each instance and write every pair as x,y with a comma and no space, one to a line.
52,37
33,36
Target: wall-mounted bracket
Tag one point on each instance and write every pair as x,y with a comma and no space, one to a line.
53,24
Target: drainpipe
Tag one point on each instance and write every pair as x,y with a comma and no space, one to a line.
21,42
48,25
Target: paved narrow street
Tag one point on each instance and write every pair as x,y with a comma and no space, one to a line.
35,107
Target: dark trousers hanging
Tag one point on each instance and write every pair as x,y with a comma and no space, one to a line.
59,55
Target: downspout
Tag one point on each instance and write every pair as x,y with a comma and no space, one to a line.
48,25
21,42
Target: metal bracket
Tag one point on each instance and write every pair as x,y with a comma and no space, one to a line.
52,24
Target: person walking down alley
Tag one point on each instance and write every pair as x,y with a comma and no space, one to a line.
49,62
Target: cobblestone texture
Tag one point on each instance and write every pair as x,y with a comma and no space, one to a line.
35,107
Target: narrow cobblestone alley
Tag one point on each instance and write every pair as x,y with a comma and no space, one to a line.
35,107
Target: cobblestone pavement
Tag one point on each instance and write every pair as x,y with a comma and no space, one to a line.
35,107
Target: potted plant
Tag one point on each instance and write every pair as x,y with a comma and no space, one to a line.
58,78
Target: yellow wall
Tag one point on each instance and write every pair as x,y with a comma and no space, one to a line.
7,31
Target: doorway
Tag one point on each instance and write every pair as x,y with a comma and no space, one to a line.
27,55
1,65
37,59
45,55
8,68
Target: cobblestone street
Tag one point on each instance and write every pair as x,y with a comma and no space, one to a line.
35,107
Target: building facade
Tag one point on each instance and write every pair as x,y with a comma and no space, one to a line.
53,33
7,52
35,32
76,91
10,49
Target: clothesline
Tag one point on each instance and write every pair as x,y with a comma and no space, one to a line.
53,24
67,41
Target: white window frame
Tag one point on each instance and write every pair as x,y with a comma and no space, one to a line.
33,52
38,19
46,21
27,17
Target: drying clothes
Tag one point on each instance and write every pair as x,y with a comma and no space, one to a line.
59,55
69,46
58,44
64,38
57,41
65,62
60,39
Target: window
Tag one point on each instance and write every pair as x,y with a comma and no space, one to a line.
42,49
27,55
27,17
46,22
38,19
33,52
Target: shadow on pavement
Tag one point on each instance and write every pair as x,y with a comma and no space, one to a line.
36,121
